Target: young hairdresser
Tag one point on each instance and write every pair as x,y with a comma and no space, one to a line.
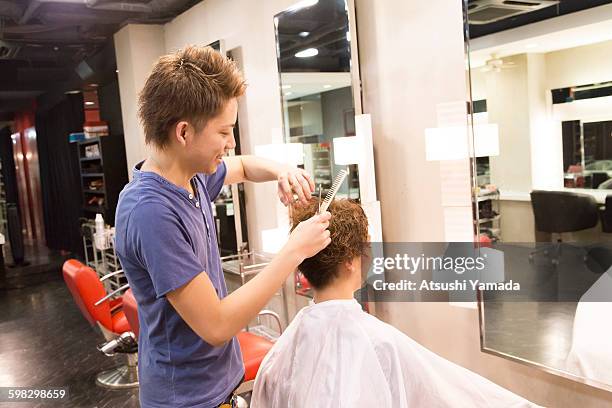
333,354
166,240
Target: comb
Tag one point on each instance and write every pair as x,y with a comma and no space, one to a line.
334,189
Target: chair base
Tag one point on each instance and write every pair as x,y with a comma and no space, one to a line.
125,376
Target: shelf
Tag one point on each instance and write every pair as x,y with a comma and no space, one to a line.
92,175
90,141
91,158
488,197
486,220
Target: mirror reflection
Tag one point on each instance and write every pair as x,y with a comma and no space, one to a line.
314,60
541,76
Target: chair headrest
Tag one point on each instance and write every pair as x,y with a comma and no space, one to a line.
86,289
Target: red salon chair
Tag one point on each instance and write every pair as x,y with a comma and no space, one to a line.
254,347
95,305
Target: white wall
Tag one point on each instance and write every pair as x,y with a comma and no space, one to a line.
584,65
508,107
137,47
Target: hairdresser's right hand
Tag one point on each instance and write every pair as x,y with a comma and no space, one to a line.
309,237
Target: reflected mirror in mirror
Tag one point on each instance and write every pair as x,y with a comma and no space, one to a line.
543,77
314,58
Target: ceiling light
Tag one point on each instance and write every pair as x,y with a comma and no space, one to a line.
302,4
326,86
93,85
73,92
55,48
286,87
307,53
288,93
304,34
89,103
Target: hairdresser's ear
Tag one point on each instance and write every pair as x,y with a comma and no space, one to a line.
181,132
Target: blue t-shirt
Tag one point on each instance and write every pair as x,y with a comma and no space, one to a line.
164,238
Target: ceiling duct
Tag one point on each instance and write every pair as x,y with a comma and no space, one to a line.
8,50
489,11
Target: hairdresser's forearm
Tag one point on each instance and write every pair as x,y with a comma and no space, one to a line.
258,169
242,305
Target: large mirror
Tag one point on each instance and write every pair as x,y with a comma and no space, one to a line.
540,77
320,92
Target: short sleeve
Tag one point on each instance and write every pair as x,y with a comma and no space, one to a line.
214,182
164,247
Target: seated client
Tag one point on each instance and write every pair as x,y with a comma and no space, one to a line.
333,354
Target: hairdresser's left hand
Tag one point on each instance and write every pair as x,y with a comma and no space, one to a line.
293,180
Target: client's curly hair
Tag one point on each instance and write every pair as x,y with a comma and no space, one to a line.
348,229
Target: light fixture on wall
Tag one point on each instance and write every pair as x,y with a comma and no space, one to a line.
288,153
451,143
307,53
486,140
347,150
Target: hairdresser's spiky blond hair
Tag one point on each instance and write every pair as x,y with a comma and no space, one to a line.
193,84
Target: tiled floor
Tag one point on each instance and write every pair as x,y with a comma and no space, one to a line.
45,341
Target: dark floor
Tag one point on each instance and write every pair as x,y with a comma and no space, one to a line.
41,265
45,341
539,329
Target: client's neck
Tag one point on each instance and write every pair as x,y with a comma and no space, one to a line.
338,289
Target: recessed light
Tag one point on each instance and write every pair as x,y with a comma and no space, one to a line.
307,53
73,92
304,34
55,48
89,103
286,87
326,86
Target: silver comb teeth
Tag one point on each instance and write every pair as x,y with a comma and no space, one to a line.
334,189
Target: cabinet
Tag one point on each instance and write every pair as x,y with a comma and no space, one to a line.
103,173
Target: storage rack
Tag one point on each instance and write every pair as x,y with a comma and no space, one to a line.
490,224
102,175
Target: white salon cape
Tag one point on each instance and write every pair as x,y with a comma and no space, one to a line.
335,355
590,355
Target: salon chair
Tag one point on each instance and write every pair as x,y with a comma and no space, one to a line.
598,177
254,347
95,305
559,212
